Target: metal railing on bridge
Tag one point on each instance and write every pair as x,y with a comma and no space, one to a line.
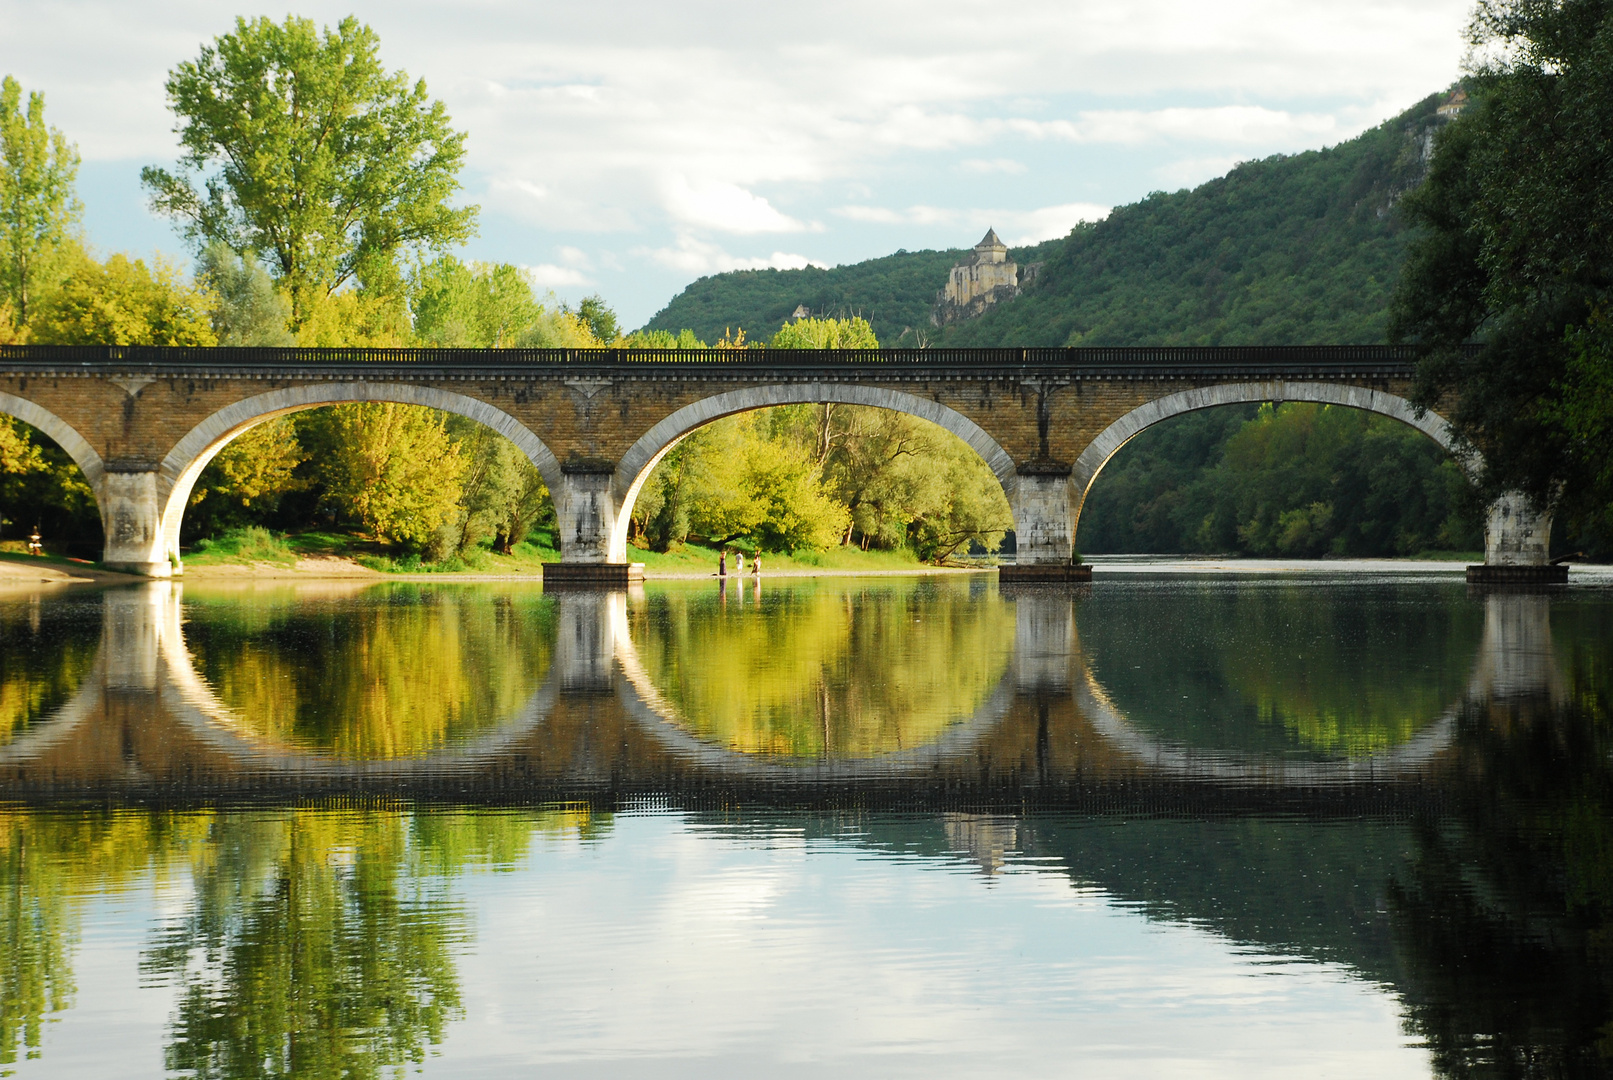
1398,358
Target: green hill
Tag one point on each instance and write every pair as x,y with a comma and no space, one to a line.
1289,250
894,294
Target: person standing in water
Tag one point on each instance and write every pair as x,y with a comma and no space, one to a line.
756,565
739,562
722,563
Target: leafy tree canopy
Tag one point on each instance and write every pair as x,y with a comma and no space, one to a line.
1515,251
125,302
310,153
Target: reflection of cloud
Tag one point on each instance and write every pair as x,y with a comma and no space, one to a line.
735,948
699,257
1021,226
726,207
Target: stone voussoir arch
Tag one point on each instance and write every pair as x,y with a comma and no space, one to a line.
83,455
184,463
1109,441
642,457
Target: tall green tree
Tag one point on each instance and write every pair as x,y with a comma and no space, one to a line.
472,305
599,318
39,212
1515,252
299,145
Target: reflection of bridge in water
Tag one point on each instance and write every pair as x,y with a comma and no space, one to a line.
144,724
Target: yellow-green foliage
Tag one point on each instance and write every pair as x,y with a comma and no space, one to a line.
852,333
260,463
400,673
124,302
823,673
355,319
662,339
394,468
18,453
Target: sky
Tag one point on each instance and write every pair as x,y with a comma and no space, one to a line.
627,147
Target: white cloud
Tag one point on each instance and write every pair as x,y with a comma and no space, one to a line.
725,207
1018,227
1238,124
698,258
1034,226
550,276
1007,166
1192,171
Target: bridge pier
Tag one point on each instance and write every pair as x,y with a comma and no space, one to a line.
131,518
1043,504
586,509
1517,545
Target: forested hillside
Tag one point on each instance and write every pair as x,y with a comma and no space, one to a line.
894,294
1292,249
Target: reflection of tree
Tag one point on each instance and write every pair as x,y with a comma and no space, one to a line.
314,948
49,863
825,671
1506,919
1284,668
395,672
46,656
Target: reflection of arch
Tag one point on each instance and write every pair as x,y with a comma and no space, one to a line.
198,708
202,443
657,718
642,456
61,723
1123,430
1397,763
88,461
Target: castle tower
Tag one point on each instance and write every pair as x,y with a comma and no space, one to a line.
984,278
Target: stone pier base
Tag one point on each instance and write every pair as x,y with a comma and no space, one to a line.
592,575
1485,574
1043,573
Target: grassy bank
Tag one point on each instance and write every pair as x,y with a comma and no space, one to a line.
258,548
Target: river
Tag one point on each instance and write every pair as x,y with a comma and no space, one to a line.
1206,825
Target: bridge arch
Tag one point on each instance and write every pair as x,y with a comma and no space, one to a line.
642,457
184,463
77,448
1109,441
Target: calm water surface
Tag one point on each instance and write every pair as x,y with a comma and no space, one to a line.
1315,826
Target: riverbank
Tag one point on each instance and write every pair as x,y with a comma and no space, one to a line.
20,569
258,554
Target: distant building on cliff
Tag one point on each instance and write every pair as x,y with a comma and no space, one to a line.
1452,106
984,278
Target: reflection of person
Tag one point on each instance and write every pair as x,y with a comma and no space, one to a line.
722,563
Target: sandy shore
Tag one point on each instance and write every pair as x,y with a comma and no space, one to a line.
27,573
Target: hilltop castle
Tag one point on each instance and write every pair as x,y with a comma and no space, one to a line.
986,277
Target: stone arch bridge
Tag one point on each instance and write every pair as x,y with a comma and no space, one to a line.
142,422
